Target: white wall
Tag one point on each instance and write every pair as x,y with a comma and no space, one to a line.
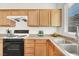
33,30
27,5
22,25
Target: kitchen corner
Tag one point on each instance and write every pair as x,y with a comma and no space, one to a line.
58,42
55,41
37,31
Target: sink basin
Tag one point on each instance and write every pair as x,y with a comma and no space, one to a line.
71,48
62,41
59,41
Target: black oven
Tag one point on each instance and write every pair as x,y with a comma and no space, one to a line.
13,47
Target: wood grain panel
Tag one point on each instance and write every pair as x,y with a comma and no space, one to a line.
3,18
40,50
50,48
29,52
29,45
33,17
30,41
1,46
45,17
41,41
19,12
57,52
56,17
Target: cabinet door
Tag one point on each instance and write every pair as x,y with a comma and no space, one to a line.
29,51
57,52
40,50
50,49
29,47
56,17
45,17
1,46
1,49
29,41
44,41
33,17
3,18
19,12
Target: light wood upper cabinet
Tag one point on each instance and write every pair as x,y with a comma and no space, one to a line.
33,17
1,46
3,18
56,17
19,12
4,22
39,17
45,17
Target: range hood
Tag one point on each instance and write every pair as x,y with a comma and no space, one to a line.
18,18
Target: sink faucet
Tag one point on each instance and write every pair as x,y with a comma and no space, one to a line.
77,32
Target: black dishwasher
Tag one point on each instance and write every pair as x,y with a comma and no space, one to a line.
13,47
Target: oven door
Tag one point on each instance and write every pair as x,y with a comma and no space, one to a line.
13,48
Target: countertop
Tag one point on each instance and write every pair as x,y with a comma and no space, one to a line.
33,36
53,42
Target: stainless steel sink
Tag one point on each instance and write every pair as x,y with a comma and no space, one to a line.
71,48
62,41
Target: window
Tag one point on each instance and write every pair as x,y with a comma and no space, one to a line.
73,18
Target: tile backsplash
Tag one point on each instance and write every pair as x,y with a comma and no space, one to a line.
32,30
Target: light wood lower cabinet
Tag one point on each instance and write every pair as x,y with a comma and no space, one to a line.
57,52
50,48
35,47
53,50
29,51
40,47
29,47
1,46
40,50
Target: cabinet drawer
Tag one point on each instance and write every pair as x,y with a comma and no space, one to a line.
40,41
40,50
29,51
27,54
29,41
28,45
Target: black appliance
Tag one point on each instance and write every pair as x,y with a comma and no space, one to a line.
21,31
13,47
